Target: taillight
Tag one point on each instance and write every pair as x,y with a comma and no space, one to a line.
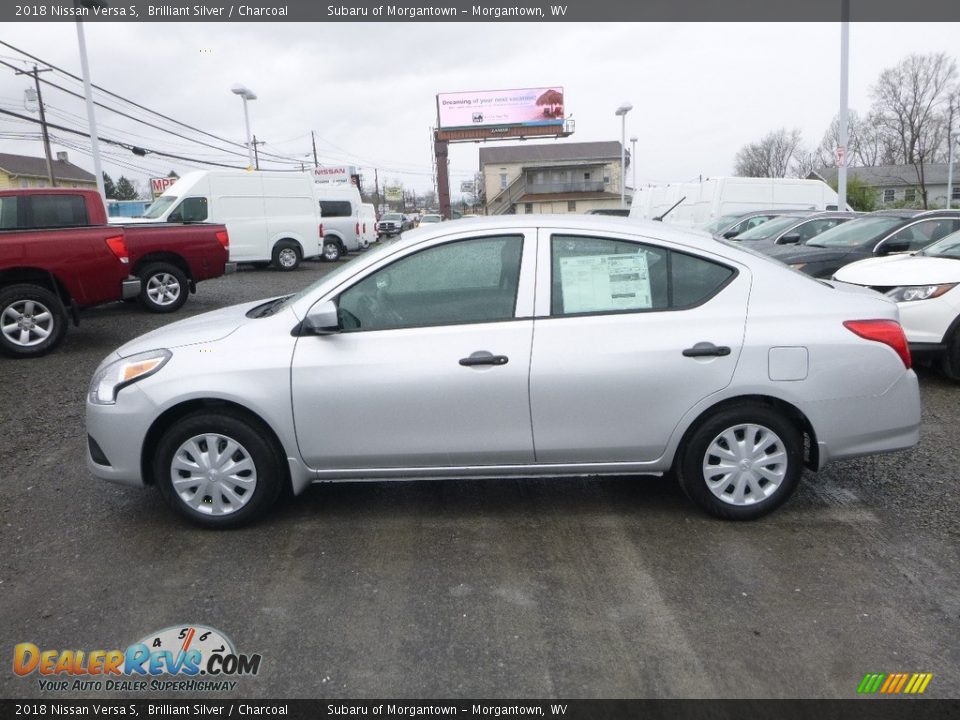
321,231
224,239
364,228
357,231
119,248
888,332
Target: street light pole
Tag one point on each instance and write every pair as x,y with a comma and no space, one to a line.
622,112
91,118
247,94
844,102
633,162
951,141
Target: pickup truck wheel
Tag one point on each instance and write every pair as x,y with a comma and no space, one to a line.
332,250
165,287
32,321
286,255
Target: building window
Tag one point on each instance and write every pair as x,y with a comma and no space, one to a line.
24,183
528,208
889,195
571,205
503,181
586,176
910,194
955,194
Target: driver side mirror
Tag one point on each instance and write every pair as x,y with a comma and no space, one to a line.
730,234
893,246
791,239
323,319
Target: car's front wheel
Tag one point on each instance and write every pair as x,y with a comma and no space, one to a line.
218,469
742,462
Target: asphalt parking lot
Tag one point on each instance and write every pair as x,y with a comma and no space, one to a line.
539,588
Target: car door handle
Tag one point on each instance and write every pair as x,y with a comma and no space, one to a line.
707,349
484,358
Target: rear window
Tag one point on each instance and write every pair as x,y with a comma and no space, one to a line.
8,212
55,211
336,208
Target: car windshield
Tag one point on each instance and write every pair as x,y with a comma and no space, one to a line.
159,206
854,233
392,216
430,219
948,247
769,229
720,223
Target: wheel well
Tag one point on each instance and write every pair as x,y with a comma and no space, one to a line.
167,257
35,276
290,240
178,412
811,453
335,236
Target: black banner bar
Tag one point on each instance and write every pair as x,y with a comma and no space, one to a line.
532,11
873,708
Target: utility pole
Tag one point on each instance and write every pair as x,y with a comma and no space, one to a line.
313,141
256,156
35,73
376,188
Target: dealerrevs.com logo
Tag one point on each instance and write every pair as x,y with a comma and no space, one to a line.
186,658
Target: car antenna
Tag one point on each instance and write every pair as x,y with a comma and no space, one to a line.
661,217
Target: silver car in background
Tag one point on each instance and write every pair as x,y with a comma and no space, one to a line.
513,346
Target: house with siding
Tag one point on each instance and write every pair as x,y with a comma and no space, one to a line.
24,171
898,186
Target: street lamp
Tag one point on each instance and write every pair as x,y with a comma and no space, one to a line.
88,92
622,112
247,94
633,162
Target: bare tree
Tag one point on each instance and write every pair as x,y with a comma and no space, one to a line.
911,104
771,156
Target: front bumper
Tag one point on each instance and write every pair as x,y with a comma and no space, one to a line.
116,434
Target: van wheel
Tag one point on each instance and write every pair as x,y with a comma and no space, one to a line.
32,321
741,462
332,251
286,255
165,287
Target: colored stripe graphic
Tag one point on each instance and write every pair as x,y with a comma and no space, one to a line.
894,683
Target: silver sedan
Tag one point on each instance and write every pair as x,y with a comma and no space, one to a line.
515,346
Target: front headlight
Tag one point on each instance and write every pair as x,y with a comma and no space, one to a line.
117,375
909,293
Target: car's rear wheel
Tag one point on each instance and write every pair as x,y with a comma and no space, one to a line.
741,462
286,255
218,469
332,250
32,321
950,364
164,287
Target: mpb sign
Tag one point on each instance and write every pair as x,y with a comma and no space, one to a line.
159,185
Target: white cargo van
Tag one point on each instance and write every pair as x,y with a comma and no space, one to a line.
368,225
703,202
271,216
340,207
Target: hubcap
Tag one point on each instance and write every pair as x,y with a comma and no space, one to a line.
331,251
163,289
288,257
213,474
26,322
745,464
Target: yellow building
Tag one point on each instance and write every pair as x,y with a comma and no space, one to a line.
23,171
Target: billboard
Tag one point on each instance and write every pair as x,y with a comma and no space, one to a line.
393,193
334,174
159,185
526,107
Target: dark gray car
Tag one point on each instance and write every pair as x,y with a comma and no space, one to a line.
792,229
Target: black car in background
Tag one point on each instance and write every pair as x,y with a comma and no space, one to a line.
879,233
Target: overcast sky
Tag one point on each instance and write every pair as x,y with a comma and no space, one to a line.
699,91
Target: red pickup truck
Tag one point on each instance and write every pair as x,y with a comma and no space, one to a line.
58,254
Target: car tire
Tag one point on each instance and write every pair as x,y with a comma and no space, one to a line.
741,462
332,249
286,256
950,364
32,321
164,287
200,487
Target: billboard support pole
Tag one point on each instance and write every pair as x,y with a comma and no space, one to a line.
440,151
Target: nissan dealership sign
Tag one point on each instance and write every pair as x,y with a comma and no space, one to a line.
335,175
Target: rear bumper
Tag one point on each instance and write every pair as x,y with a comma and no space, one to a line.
921,350
130,288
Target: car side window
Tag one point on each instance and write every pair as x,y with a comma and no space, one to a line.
191,209
335,208
919,235
597,275
465,281
813,228
8,212
56,211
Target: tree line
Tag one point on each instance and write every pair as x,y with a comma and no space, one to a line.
913,105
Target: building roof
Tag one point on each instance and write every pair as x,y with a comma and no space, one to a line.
26,166
890,175
550,152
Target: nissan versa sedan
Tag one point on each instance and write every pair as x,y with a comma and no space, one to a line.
792,229
513,346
